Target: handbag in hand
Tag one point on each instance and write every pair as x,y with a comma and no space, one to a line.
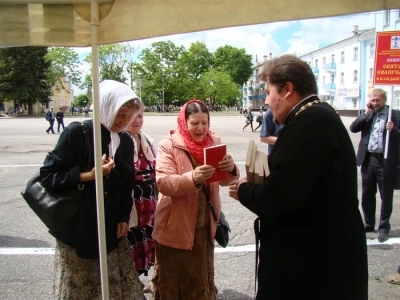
56,209
223,229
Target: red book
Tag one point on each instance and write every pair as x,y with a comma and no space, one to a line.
212,156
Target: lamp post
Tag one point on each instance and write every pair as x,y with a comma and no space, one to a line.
162,90
138,82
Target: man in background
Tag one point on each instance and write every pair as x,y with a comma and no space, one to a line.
50,117
375,170
269,130
60,119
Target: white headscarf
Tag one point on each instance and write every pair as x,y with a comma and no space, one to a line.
113,95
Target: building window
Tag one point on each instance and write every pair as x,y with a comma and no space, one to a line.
372,50
341,78
355,76
371,73
316,63
398,14
323,60
355,53
333,78
387,17
323,79
333,58
342,57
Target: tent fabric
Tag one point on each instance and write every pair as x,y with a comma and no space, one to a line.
127,20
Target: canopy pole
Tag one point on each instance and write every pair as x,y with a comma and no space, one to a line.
389,119
97,149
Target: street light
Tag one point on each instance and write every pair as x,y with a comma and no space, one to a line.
138,81
163,91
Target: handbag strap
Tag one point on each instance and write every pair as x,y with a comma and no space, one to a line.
87,146
204,189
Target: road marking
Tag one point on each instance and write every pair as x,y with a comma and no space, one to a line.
244,248
20,166
39,165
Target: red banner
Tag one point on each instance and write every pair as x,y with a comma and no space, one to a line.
387,58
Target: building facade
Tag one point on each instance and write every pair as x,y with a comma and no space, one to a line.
340,69
253,93
61,98
344,70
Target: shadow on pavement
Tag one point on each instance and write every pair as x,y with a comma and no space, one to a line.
233,295
15,241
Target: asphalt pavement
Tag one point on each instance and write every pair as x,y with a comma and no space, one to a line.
26,270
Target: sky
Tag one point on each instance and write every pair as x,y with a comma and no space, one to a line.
296,37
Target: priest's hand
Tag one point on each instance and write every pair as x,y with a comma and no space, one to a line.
234,187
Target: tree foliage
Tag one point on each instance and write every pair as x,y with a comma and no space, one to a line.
23,75
64,63
218,88
159,72
114,60
235,62
83,100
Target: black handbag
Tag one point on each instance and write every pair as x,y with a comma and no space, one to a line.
56,209
223,229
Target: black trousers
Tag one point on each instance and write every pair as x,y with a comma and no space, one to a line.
60,122
372,176
51,126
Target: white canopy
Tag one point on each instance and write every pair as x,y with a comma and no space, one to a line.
43,23
86,23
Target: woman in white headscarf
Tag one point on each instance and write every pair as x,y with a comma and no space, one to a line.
77,270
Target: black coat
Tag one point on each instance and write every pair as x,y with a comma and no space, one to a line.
61,171
364,124
312,240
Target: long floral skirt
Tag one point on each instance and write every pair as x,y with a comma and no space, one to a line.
79,278
186,274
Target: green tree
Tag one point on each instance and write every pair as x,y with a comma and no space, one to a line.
64,63
159,72
23,75
191,64
236,62
218,87
114,60
83,100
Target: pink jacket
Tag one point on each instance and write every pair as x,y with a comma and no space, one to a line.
176,212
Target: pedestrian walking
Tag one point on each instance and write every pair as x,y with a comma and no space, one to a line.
60,119
50,117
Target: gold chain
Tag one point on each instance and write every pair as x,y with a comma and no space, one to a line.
308,105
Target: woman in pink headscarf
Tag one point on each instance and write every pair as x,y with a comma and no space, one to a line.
184,226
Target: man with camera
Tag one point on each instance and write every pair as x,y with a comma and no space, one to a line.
375,170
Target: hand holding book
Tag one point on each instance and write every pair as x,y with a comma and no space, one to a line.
227,164
202,173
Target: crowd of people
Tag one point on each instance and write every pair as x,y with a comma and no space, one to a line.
157,201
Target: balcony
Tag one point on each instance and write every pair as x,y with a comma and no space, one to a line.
315,71
330,86
250,97
244,90
262,85
330,67
250,88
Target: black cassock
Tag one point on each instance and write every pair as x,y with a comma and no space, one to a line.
312,239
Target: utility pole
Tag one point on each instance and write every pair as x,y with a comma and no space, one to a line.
163,90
